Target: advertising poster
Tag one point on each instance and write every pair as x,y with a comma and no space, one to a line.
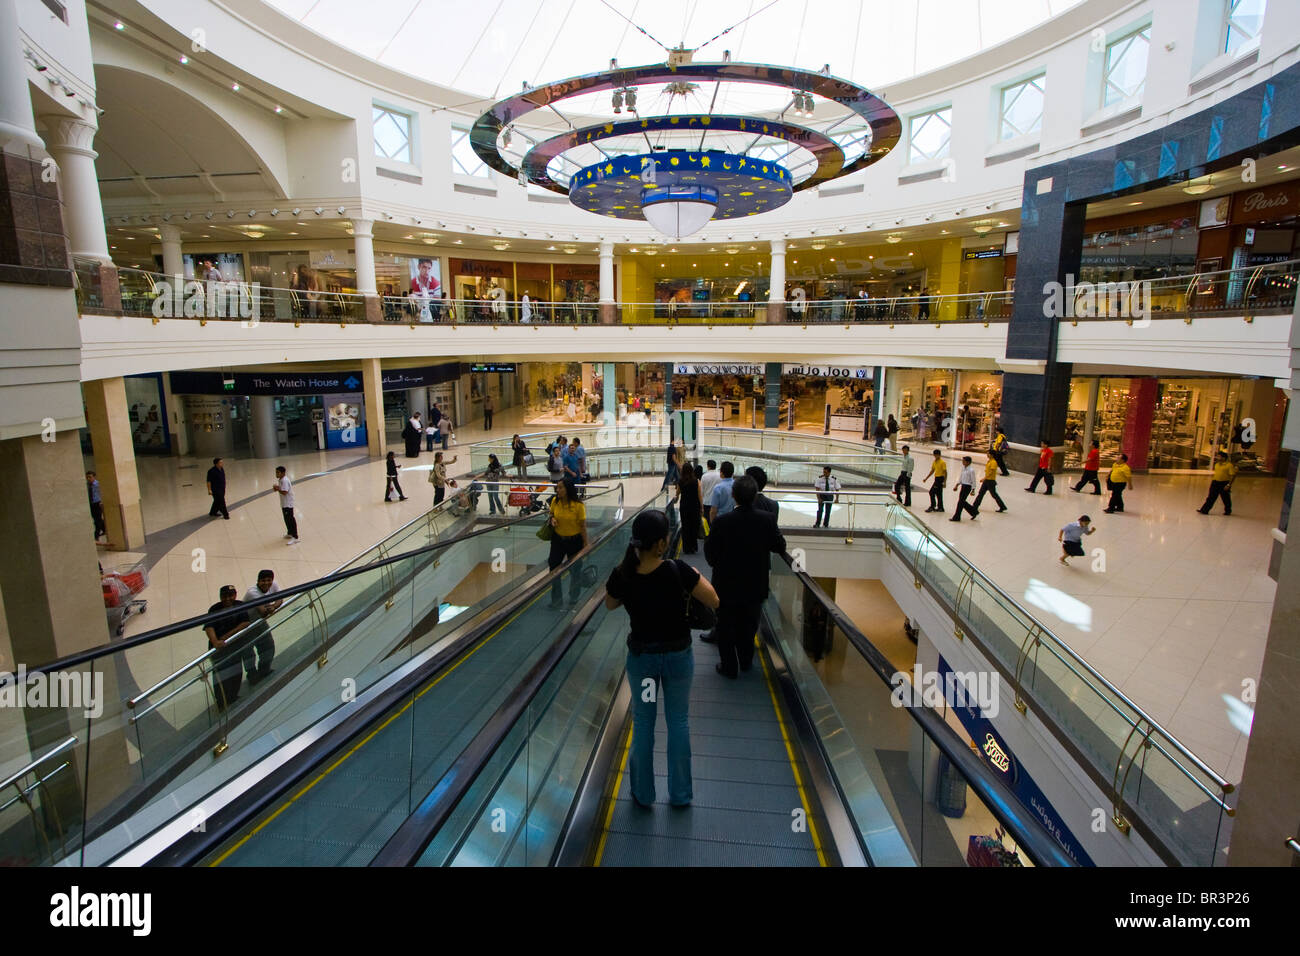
426,287
345,421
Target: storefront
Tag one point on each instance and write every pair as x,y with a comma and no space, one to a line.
558,393
1177,423
724,393
836,397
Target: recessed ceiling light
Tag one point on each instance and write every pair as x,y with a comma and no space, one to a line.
832,258
119,25
633,249
1138,203
279,109
235,87
184,59
293,234
1283,168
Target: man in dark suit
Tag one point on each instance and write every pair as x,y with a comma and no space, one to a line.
738,549
763,502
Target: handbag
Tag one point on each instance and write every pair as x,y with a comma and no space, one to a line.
546,532
698,616
529,459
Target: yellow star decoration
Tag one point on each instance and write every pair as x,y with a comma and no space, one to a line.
705,162
609,127
706,120
673,161
609,168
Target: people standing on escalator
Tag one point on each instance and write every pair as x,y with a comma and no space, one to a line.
660,662
568,520
223,633
691,508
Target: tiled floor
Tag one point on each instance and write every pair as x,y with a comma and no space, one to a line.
1176,617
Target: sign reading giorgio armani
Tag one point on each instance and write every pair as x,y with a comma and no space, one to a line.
1270,204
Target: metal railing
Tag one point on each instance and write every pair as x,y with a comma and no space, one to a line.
1248,290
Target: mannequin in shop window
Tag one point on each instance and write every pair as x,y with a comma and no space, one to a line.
304,282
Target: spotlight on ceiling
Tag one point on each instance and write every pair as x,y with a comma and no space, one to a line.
629,97
208,214
342,210
274,213
297,210
188,214
252,213
319,210
617,100
230,214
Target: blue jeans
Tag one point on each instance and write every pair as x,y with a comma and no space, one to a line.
671,674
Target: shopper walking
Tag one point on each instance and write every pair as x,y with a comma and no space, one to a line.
892,425
964,487
392,484
284,488
438,478
1044,472
97,505
259,648
216,481
496,473
827,486
1071,538
444,430
999,451
568,520
880,433
1091,464
1225,472
519,456
738,549
989,486
654,592
555,461
939,469
690,504
903,483
489,406
674,458
1121,477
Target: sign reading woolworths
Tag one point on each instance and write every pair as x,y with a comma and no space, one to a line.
720,368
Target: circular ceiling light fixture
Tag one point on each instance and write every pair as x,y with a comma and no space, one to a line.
893,239
982,228
1198,189
662,169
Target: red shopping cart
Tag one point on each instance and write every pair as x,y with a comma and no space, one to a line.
118,586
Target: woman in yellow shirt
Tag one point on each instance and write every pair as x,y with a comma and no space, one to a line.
569,521
1121,477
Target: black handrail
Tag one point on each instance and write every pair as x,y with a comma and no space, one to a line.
148,637
1027,831
224,823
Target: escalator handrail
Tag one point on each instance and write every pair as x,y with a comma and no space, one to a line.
148,637
1027,831
239,801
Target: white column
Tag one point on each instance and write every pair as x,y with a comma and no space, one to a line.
777,272
173,264
83,214
606,271
17,132
365,255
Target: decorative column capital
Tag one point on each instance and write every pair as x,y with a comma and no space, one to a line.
363,228
778,247
69,135
606,248
169,233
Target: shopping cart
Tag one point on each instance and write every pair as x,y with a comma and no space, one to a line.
118,587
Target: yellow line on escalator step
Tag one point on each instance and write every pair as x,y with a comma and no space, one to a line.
613,797
370,736
789,752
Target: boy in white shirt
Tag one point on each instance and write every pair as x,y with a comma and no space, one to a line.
903,483
285,489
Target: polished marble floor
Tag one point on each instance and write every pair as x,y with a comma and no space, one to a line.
1177,615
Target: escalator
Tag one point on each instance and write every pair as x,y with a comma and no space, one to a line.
514,753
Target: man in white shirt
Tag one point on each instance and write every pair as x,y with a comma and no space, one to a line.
964,487
284,487
261,649
826,486
708,481
903,483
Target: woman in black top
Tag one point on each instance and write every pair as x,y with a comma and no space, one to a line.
495,472
892,425
392,481
660,662
520,451
691,505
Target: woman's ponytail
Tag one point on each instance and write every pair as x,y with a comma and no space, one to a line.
630,560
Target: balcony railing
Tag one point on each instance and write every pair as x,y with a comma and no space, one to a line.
1254,290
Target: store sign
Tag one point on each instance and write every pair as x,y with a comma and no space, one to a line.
307,383
982,254
718,369
508,368
329,259
864,372
999,756
1267,205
